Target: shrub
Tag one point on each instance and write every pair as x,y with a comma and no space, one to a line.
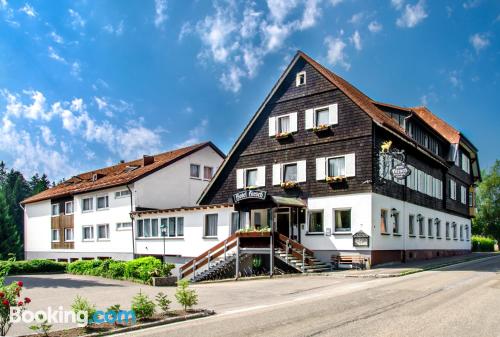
163,302
81,304
144,268
143,306
13,267
482,244
10,297
186,297
85,267
116,269
43,327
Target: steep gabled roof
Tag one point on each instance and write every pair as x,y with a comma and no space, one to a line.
117,175
436,123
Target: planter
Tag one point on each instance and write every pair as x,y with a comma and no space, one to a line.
254,234
321,128
336,179
168,281
288,185
283,135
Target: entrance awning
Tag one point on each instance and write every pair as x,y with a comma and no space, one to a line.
288,202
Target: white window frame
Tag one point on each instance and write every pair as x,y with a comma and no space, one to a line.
296,171
122,194
107,231
52,210
463,195
91,232
91,204
334,220
396,222
120,227
55,230
106,197
430,228
66,207
66,236
278,118
298,77
199,171
386,221
205,223
322,211
211,173
411,224
327,159
465,163
453,189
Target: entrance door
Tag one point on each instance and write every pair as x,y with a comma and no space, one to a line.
283,223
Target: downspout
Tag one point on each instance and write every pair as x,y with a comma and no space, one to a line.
24,229
132,221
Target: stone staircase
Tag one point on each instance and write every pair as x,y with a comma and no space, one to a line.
313,266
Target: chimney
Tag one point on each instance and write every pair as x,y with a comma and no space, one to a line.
146,160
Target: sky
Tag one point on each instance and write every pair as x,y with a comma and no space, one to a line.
85,84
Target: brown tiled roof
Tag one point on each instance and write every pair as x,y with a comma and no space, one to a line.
116,175
440,126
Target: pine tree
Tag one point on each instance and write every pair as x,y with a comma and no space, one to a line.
39,184
10,241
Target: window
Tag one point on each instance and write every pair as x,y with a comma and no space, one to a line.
120,226
122,194
194,171
55,235
322,116
383,221
438,227
453,189
210,229
290,172
171,226
147,228
336,167
180,226
87,204
164,227
102,202
447,230
88,233
235,222
69,235
411,225
208,172
429,227
250,177
421,229
454,227
55,209
395,228
467,232
103,232
300,78
154,227
283,124
68,207
461,232
316,221
463,195
342,218
465,163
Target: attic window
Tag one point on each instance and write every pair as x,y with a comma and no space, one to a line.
96,176
300,78
131,168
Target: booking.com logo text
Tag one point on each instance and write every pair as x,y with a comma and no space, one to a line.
80,318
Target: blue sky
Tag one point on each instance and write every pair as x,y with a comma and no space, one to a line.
84,84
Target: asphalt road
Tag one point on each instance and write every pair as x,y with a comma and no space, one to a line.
461,300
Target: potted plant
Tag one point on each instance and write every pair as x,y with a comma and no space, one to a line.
321,128
289,185
283,135
161,276
335,179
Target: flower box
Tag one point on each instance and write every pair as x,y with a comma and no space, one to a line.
253,234
335,179
321,128
168,281
253,187
289,185
283,135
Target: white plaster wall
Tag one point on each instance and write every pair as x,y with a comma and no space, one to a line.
390,242
193,243
37,228
172,186
360,205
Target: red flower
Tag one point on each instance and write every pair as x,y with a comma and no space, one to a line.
27,300
2,294
6,303
20,304
20,283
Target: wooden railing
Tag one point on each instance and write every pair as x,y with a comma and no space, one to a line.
205,258
294,248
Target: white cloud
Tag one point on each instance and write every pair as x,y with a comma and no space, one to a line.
186,29
335,2
356,40
55,56
398,4
479,41
28,10
160,12
34,111
77,104
357,18
76,19
412,15
231,79
336,54
312,12
374,27
57,38
279,9
3,4
47,135
471,4
101,103
250,22
114,30
455,80
195,134
76,70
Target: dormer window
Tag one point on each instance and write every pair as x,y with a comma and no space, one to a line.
283,124
300,78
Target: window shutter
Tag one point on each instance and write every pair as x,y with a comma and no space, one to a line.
301,171
350,165
272,126
240,173
276,174
293,122
309,119
261,176
320,168
333,112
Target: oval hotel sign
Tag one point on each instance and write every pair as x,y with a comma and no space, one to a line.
400,171
249,194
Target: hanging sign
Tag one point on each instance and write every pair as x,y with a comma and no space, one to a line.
361,239
249,194
400,171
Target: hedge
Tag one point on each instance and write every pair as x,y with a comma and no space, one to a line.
483,244
141,269
31,267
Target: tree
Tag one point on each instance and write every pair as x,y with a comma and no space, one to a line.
10,241
38,184
487,221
